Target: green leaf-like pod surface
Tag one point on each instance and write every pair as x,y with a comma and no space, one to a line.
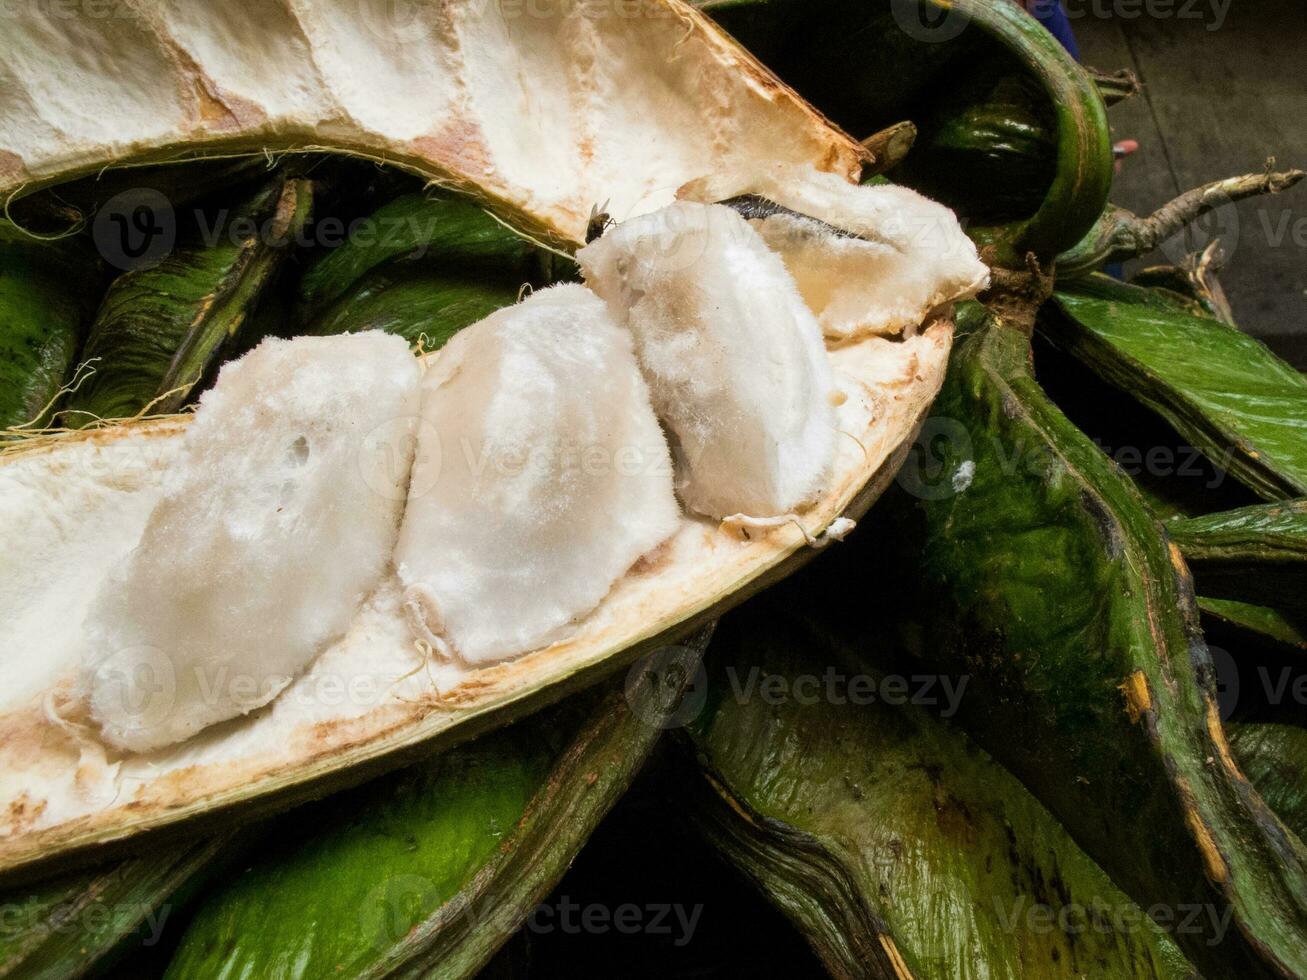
1261,622
1042,575
413,299
62,926
888,837
1221,389
162,328
1254,554
46,291
345,883
427,872
1275,758
451,234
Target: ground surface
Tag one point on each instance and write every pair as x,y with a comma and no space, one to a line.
1225,88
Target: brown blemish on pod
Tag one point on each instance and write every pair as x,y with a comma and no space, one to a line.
1217,732
1138,697
1214,866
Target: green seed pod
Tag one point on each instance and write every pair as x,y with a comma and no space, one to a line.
162,330
861,814
446,233
67,924
1275,758
47,290
1255,623
414,299
433,868
1220,388
1255,554
1106,707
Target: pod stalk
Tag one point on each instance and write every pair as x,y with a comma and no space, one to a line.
1120,235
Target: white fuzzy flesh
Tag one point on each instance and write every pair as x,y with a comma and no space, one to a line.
544,110
911,256
542,476
276,521
372,691
733,356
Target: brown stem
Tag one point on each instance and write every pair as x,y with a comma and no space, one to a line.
1202,269
1145,234
1015,295
1116,86
889,146
1120,235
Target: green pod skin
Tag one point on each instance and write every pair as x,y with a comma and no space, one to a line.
1255,554
414,299
1219,388
442,230
428,872
895,845
1256,623
1274,756
66,926
182,182
1174,476
47,293
996,130
1042,575
864,67
162,330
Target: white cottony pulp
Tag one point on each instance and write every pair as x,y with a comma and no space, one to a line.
542,476
905,257
515,484
733,356
277,520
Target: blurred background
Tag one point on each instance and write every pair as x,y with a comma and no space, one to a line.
1224,88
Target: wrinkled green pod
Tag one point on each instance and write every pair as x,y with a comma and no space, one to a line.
450,234
1042,575
1260,622
1254,554
1220,388
47,292
413,299
64,927
1274,756
986,148
162,329
429,871
896,846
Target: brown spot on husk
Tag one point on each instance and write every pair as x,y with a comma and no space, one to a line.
1138,697
650,563
24,812
11,166
1217,732
1214,866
